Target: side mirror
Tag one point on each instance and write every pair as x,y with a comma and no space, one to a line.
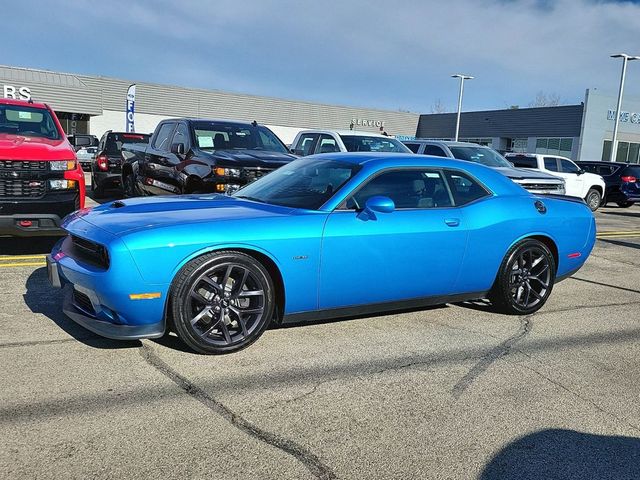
377,203
177,148
580,172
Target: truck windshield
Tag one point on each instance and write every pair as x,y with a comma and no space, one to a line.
482,155
361,143
230,136
300,184
28,122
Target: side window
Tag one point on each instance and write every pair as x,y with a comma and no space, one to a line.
305,144
551,163
327,144
567,166
602,170
182,136
407,189
464,189
162,139
434,151
414,147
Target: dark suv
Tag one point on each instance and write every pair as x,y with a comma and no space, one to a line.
106,169
622,181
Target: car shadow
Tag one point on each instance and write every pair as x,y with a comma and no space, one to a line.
567,455
27,245
620,243
42,298
623,214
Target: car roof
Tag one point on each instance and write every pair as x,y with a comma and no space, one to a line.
448,143
598,162
358,133
23,103
214,120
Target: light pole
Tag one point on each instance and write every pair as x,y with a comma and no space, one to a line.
462,78
614,140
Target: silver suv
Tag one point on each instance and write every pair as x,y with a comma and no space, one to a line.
531,180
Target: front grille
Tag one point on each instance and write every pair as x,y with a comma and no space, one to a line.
252,174
23,165
82,301
22,188
543,187
90,252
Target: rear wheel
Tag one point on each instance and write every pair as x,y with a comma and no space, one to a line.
130,187
525,278
593,199
222,302
624,204
98,190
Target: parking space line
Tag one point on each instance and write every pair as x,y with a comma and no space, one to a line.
23,264
4,258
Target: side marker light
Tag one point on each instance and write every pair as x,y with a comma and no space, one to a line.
144,296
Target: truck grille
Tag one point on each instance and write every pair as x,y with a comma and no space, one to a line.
22,188
23,165
544,188
90,252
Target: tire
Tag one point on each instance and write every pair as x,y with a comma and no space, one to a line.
525,279
130,187
593,199
624,204
98,190
214,316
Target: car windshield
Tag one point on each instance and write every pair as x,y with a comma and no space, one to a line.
28,121
361,143
230,136
302,183
482,155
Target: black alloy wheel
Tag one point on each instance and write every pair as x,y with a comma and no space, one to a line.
525,278
222,302
593,199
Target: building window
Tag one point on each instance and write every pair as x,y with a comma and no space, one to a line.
480,141
628,152
555,146
519,145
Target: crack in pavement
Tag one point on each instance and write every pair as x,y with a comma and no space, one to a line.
494,354
604,284
311,461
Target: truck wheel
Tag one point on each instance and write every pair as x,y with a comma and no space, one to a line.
624,204
98,190
130,187
593,199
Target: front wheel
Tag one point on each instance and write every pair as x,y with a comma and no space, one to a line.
525,279
593,199
130,187
222,302
98,190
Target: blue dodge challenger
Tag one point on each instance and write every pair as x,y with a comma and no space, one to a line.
326,236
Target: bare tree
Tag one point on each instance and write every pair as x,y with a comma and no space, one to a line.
544,99
438,107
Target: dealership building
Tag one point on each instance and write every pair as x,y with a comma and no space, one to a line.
90,104
580,132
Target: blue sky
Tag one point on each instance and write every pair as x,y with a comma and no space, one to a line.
385,54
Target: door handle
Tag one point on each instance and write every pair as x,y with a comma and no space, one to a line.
452,222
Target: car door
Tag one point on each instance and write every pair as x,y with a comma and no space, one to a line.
571,174
413,252
156,170
327,144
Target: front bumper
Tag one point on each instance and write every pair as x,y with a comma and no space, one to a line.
36,217
98,299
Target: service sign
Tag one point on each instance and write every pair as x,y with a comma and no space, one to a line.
631,117
16,93
131,106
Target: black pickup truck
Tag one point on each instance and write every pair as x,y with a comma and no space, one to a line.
195,155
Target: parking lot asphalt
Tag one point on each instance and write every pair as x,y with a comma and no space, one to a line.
453,392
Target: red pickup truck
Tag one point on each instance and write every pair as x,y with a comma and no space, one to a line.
40,178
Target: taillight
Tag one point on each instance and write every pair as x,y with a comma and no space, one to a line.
103,162
629,179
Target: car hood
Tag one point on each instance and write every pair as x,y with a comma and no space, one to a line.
525,174
19,147
124,216
251,158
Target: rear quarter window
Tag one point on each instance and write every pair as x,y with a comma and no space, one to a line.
523,161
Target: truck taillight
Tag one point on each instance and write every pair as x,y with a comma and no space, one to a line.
629,179
103,162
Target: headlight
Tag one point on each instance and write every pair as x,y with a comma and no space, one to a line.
63,165
62,184
227,172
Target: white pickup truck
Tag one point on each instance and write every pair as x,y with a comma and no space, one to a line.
578,182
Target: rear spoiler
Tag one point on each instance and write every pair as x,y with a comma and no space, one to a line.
566,198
